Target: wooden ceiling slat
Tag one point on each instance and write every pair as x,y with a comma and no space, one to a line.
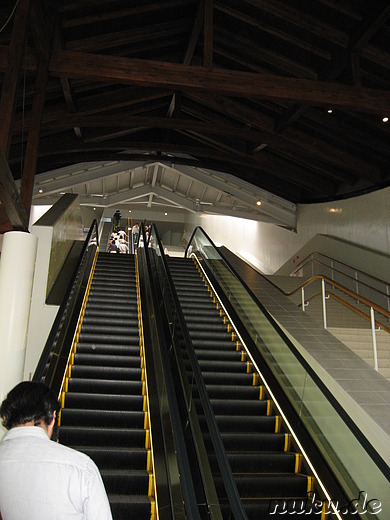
302,20
10,198
13,67
95,67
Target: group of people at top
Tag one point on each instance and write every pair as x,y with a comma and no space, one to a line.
118,243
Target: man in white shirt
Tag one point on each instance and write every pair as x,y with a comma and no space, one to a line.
41,479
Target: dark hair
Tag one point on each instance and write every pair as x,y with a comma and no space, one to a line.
29,401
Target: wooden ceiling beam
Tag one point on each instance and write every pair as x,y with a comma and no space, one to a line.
113,14
294,141
43,31
95,67
15,53
368,25
208,34
10,198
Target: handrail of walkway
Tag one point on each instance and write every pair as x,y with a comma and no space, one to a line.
310,260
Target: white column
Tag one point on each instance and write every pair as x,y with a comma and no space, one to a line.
17,266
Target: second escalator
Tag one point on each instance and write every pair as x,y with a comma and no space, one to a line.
267,470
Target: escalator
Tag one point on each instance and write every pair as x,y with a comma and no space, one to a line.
267,470
104,403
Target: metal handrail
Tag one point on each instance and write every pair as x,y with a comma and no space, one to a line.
58,330
226,472
308,261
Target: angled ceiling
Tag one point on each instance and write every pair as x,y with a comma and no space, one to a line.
285,96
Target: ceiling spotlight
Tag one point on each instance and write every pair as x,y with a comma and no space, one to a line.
165,214
129,210
330,111
385,119
94,209
40,190
258,203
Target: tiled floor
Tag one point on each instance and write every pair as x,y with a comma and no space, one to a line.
363,384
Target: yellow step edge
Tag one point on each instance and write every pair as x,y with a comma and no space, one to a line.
234,337
143,387
146,421
249,367
229,327
145,404
59,418
298,462
255,379
287,442
269,407
238,345
143,374
310,485
225,320
153,515
261,392
243,355
147,440
151,485
277,423
149,461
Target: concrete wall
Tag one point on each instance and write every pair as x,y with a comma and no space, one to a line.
364,221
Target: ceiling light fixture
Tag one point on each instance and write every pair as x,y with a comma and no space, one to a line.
385,119
330,111
258,203
40,190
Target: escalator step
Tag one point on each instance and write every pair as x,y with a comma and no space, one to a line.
107,360
93,436
124,507
227,378
109,322
120,330
116,458
105,386
237,407
106,372
242,442
277,462
109,401
102,418
233,392
228,423
106,338
102,349
123,481
269,485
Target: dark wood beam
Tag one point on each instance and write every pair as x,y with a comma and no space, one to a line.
146,73
15,53
10,198
43,32
94,67
297,141
208,34
373,19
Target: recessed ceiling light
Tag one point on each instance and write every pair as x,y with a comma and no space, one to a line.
385,119
165,214
258,202
330,111
40,190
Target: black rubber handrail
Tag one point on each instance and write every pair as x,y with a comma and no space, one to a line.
375,456
188,490
224,465
57,335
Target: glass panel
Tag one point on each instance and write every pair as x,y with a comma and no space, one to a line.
352,465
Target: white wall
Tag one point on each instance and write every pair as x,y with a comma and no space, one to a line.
363,220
